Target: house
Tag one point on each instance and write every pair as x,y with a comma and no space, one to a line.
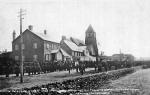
71,48
76,51
60,54
35,46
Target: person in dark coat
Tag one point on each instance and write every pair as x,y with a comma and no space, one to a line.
77,65
81,67
95,65
68,63
100,65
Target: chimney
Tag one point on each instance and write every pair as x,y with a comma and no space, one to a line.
45,32
63,37
14,35
30,27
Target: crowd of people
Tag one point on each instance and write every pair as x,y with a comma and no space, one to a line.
37,67
54,66
79,66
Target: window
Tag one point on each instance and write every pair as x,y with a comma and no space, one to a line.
52,46
79,54
47,46
22,46
16,58
75,53
35,57
72,53
35,45
16,47
46,57
82,54
89,35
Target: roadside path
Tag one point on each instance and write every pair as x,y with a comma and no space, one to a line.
34,80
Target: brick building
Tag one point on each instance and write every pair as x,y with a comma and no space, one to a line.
36,46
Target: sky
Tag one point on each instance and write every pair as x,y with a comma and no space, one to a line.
119,24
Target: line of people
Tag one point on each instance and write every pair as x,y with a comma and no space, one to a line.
78,65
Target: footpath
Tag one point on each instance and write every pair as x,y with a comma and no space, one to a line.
13,82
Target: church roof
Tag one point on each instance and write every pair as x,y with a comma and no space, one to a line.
90,29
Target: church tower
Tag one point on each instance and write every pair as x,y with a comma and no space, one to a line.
90,41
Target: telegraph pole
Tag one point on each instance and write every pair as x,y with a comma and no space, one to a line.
21,43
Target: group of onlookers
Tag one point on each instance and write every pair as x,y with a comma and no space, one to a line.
68,65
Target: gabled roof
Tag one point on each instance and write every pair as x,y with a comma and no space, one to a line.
65,53
73,46
27,30
40,35
62,51
77,41
45,37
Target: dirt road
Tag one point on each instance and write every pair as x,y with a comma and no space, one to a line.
137,83
41,79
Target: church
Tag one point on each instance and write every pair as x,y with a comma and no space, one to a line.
84,50
39,47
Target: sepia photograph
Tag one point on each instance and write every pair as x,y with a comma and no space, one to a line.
74,47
